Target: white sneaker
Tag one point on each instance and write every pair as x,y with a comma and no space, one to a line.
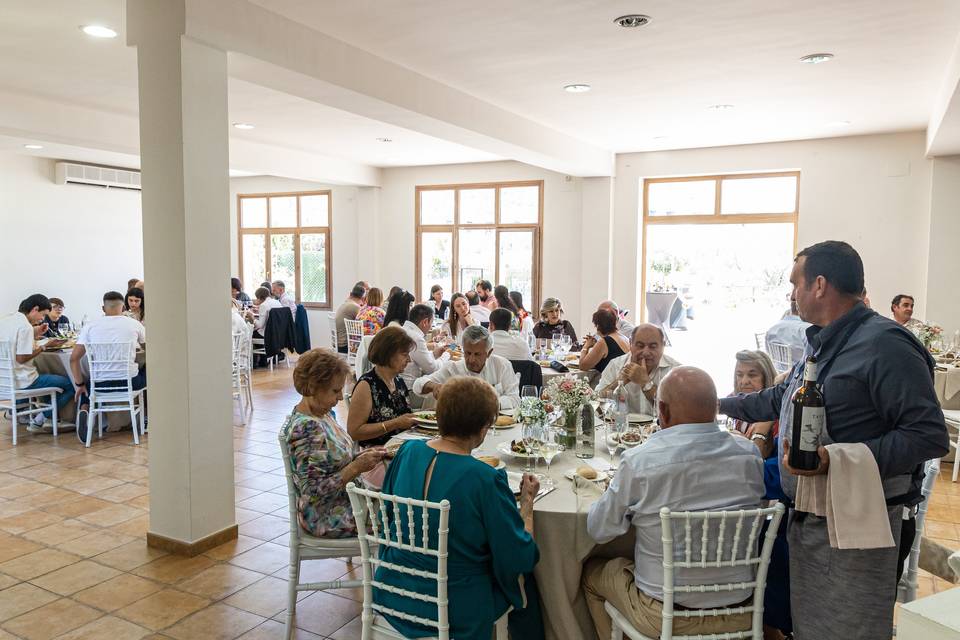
46,426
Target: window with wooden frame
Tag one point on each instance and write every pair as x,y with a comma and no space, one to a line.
739,199
470,232
286,236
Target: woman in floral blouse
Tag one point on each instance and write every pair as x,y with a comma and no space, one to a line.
319,451
371,314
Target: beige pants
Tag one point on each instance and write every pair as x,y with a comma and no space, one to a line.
612,580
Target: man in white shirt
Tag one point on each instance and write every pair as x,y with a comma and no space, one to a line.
423,360
264,304
690,465
624,328
20,330
640,371
478,361
112,328
506,344
279,290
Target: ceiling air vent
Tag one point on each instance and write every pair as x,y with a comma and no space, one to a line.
74,173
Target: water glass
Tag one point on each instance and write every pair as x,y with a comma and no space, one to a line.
529,391
531,435
549,448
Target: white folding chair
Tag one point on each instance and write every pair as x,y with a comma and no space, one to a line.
723,539
110,362
952,418
10,393
907,589
760,339
780,354
242,390
373,511
303,546
332,325
354,337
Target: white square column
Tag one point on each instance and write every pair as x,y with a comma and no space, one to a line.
185,178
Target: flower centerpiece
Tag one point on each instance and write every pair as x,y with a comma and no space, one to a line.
928,333
568,393
532,411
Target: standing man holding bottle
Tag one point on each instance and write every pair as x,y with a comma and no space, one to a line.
877,385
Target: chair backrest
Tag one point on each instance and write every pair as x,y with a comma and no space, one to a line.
332,325
530,372
715,540
780,353
292,494
354,336
362,364
110,361
907,589
760,338
8,377
394,522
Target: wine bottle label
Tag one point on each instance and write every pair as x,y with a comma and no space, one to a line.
811,428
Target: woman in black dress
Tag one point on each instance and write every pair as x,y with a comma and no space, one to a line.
551,321
439,305
608,344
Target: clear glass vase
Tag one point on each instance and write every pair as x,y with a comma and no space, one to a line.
570,426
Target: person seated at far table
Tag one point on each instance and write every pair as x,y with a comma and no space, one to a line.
491,548
21,329
113,327
505,344
640,370
264,304
236,292
321,455
551,321
440,306
134,305
689,465
424,358
459,318
479,362
623,325
478,307
598,350
398,308
279,290
57,323
754,372
371,314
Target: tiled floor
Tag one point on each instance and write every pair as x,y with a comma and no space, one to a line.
74,564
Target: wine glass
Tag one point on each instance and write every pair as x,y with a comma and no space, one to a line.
549,448
529,391
531,436
612,436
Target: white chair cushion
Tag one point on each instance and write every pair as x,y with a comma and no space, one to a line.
339,544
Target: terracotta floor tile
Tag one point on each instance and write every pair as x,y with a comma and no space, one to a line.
350,631
37,563
112,515
50,496
75,577
323,613
107,628
934,529
95,484
12,547
117,592
140,502
218,622
243,516
129,556
274,630
19,599
122,493
266,598
55,534
265,527
77,507
95,543
162,609
264,502
171,569
233,548
22,488
28,521
51,620
219,581
136,527
265,558
7,581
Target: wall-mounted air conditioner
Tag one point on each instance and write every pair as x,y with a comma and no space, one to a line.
75,173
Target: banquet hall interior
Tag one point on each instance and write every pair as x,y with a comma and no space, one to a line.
650,164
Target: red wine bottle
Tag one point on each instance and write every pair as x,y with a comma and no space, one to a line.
808,420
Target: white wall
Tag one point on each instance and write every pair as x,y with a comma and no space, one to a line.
561,248
73,242
943,272
344,241
871,191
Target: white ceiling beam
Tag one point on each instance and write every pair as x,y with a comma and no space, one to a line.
87,134
288,56
943,130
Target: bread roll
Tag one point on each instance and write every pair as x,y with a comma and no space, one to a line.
504,421
587,472
493,461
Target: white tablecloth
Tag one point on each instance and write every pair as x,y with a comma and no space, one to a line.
947,385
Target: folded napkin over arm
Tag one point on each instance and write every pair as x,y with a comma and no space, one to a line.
850,497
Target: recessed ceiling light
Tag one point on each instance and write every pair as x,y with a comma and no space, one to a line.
816,58
33,147
576,88
384,140
720,107
98,31
839,123
242,125
633,20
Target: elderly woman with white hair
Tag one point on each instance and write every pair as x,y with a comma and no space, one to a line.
754,372
478,361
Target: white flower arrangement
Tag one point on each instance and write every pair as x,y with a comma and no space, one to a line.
532,410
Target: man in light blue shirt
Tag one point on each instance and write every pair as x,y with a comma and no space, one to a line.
690,465
791,331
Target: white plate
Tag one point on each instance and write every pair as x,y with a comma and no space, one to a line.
504,448
642,418
601,475
427,423
502,464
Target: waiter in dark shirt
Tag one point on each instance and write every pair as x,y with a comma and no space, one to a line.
877,382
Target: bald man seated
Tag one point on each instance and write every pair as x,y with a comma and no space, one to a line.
640,371
689,465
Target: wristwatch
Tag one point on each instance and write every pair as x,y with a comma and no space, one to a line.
759,436
647,386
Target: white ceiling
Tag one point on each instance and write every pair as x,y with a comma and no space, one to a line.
651,86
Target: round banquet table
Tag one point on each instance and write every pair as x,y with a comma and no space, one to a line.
58,363
946,382
560,529
659,304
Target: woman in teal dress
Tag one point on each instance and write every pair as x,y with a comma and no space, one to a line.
319,451
490,545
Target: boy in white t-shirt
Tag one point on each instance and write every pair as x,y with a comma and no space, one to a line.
21,329
113,327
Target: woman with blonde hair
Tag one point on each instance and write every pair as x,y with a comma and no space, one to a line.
551,321
754,372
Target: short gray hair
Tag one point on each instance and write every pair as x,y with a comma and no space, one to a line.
475,334
762,361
